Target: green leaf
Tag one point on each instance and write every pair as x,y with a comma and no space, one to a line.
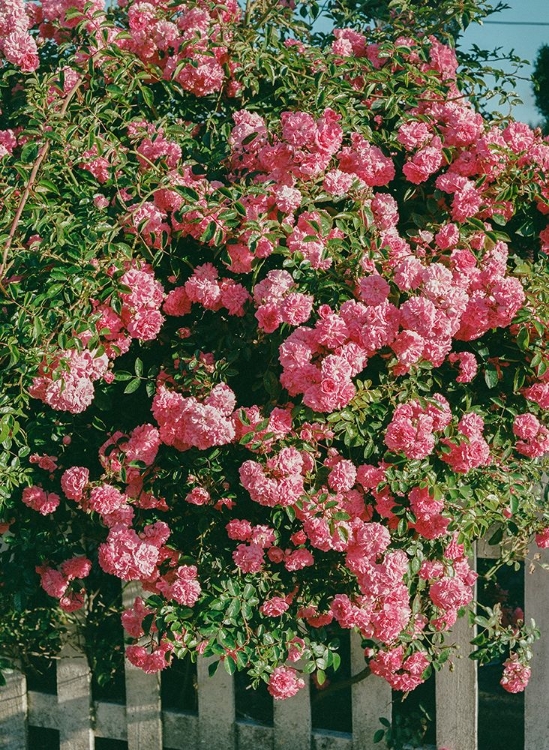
496,537
115,90
523,339
499,219
229,664
209,232
132,386
29,152
148,95
491,376
54,289
249,591
147,622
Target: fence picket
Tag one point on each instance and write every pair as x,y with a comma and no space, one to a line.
143,709
251,736
13,712
143,703
216,708
371,700
180,730
292,721
536,606
74,699
457,695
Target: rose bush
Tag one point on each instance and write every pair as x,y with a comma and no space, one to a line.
274,334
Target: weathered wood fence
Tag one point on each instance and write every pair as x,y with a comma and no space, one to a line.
144,725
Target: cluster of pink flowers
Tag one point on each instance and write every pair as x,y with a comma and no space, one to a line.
132,618
493,297
130,556
278,425
320,362
292,558
467,364
54,17
153,144
104,499
515,675
367,162
250,557
400,672
275,606
539,392
382,610
56,582
16,44
125,553
279,482
185,422
126,458
427,510
66,382
309,238
150,660
533,436
48,463
205,288
181,585
97,164
40,500
140,316
303,151
451,583
190,47
462,303
472,450
278,302
413,426
8,142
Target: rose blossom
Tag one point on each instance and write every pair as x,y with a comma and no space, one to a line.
284,683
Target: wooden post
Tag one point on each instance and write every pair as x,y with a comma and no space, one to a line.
74,697
143,704
216,708
292,720
536,606
371,700
13,712
457,692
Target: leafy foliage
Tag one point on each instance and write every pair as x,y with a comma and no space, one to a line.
216,379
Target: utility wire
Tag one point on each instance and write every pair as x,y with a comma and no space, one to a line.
516,23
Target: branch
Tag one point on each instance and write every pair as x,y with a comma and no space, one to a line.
366,672
42,153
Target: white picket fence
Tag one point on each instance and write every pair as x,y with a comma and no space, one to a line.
143,725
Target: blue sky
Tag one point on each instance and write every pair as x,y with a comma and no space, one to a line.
524,40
